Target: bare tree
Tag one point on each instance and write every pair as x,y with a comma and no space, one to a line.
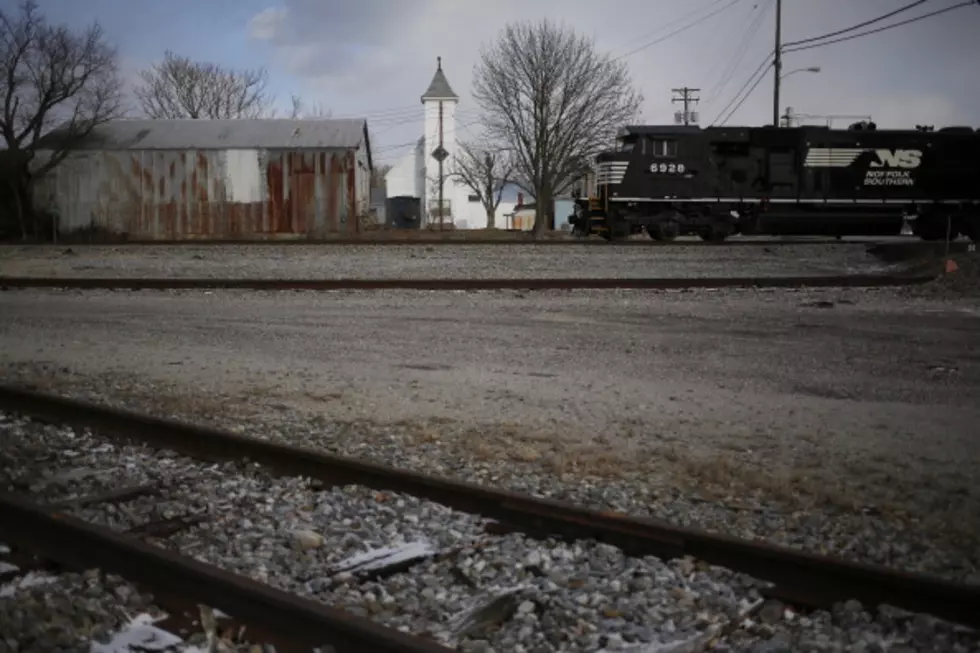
315,111
548,93
486,173
379,175
50,76
179,87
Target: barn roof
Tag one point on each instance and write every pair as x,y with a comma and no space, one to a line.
261,133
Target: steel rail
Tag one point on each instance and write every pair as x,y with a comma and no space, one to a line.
290,617
797,576
175,283
439,242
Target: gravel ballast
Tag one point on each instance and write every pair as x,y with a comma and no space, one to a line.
834,421
436,262
486,593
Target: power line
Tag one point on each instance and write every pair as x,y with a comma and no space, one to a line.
718,62
742,48
761,69
394,113
677,31
882,29
671,23
379,113
858,26
383,148
742,101
389,150
741,51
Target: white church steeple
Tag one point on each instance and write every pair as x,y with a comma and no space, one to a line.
439,89
440,101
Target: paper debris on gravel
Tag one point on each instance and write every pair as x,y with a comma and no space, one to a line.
486,610
141,635
376,559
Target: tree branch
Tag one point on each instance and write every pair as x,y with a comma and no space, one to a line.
557,102
52,76
179,87
316,111
486,172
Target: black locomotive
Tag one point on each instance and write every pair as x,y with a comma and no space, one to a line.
718,181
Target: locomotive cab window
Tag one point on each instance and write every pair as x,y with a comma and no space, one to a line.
627,143
661,148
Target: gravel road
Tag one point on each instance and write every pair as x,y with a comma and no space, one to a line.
836,421
407,262
485,593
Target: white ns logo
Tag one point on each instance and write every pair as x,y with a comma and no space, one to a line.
897,158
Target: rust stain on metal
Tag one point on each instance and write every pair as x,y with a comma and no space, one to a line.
333,194
210,194
352,191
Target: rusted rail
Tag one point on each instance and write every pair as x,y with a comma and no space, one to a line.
175,283
523,240
817,581
286,617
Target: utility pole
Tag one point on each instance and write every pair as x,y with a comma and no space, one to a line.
442,217
777,64
686,97
439,154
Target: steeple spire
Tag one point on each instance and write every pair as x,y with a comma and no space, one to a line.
439,89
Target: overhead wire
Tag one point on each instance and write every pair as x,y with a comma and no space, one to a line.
677,31
858,26
763,67
392,150
740,52
673,22
380,113
807,44
717,59
884,28
742,101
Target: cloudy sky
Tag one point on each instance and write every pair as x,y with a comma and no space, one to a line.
374,58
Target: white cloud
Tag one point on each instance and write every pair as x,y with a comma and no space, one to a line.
267,24
376,57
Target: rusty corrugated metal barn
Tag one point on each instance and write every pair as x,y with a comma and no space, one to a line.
212,179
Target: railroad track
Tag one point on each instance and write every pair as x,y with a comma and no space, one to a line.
519,241
480,518
174,283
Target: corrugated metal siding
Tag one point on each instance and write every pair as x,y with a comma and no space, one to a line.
246,134
208,194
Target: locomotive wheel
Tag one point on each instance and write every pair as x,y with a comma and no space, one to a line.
664,231
616,229
715,233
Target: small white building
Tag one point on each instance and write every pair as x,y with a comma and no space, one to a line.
417,173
